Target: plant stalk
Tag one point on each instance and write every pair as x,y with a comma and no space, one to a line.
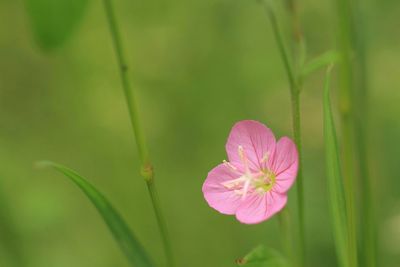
347,98
299,56
147,170
368,235
295,86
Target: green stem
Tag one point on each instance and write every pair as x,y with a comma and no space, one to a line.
349,190
295,86
368,246
161,222
300,192
299,54
146,165
281,46
298,47
347,98
129,95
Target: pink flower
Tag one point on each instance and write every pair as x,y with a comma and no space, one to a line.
253,184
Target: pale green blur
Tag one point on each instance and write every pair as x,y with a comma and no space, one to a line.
198,67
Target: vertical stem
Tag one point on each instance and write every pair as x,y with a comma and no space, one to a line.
299,55
298,44
146,166
368,241
300,192
347,98
281,46
161,223
294,84
129,94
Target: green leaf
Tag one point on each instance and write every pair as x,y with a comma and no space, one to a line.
319,62
335,180
126,240
53,21
262,256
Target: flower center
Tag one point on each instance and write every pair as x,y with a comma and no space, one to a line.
259,182
265,182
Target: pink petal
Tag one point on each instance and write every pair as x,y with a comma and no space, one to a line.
284,164
257,208
256,139
218,196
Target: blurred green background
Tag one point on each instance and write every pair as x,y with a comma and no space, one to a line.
198,67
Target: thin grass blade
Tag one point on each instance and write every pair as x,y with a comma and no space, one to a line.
128,243
335,180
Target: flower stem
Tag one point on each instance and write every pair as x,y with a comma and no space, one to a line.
281,46
347,99
299,54
300,192
295,88
146,166
361,127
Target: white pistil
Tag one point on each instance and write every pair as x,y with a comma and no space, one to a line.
265,157
244,159
246,187
234,183
238,191
229,165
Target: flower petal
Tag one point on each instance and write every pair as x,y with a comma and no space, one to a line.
284,164
257,208
256,139
218,196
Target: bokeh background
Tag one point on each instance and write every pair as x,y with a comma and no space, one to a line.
197,67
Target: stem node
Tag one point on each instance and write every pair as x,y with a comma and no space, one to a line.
147,171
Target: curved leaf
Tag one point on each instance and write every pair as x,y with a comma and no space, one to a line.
53,21
327,58
121,232
262,256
